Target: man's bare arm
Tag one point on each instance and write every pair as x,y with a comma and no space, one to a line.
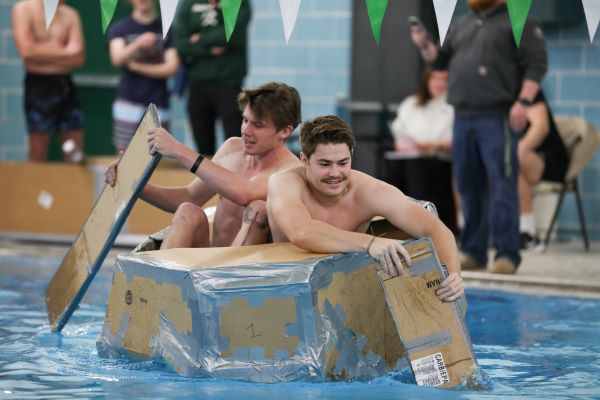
228,184
391,203
165,198
46,52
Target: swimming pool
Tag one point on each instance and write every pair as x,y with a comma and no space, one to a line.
528,347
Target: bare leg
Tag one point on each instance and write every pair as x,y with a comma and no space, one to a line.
76,136
189,228
255,225
38,146
531,168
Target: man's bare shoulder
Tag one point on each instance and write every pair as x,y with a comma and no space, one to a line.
289,160
358,177
67,13
25,8
231,146
291,171
365,185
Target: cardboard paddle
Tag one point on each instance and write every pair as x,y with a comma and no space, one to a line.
99,231
435,337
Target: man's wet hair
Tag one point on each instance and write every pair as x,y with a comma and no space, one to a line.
274,100
326,129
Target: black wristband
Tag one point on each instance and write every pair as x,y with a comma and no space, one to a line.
197,164
524,101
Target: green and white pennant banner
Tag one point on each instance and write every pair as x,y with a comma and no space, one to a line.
376,10
592,15
107,8
289,14
167,13
518,11
230,9
50,7
443,13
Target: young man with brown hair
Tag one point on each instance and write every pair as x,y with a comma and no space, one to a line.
238,173
324,206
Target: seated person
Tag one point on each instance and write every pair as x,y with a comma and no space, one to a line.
324,206
542,156
422,131
238,173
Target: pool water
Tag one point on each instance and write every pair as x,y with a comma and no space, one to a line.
528,347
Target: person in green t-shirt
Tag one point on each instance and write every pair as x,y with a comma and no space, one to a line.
216,67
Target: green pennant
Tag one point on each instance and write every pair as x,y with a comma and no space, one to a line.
107,9
230,9
518,11
376,10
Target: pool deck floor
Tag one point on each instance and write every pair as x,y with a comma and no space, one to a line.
564,269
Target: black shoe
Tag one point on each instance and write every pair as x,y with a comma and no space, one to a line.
531,243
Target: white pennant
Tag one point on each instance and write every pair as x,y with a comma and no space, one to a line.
443,12
50,7
167,12
289,13
592,15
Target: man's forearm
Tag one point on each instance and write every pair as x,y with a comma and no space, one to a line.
167,199
445,246
429,52
529,90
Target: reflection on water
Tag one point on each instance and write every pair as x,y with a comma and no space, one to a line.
527,346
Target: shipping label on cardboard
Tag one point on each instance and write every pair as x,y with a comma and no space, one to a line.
430,370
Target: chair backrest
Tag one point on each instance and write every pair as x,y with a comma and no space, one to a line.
581,138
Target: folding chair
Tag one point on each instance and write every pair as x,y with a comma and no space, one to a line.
582,140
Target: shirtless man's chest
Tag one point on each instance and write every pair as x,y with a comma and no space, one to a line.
228,215
343,215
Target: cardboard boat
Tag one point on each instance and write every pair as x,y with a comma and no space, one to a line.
276,313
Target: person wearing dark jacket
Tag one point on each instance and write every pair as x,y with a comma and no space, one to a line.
216,68
492,82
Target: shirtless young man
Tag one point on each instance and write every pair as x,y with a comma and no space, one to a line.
51,103
324,206
238,173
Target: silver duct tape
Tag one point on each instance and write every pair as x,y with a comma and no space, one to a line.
440,338
309,335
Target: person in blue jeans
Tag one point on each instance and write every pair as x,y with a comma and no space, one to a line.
492,82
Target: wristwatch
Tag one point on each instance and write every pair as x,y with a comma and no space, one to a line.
524,101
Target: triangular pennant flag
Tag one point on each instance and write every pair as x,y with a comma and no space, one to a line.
289,13
230,9
443,12
50,7
376,11
592,16
167,12
107,8
518,11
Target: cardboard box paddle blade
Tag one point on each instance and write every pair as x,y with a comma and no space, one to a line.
433,333
85,257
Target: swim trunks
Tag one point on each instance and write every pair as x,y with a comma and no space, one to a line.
51,104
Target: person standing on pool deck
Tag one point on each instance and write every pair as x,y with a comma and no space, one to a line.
51,103
491,84
324,206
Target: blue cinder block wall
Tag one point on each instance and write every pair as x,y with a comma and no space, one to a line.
573,88
317,62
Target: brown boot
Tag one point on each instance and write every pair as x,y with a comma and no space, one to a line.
468,263
503,265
